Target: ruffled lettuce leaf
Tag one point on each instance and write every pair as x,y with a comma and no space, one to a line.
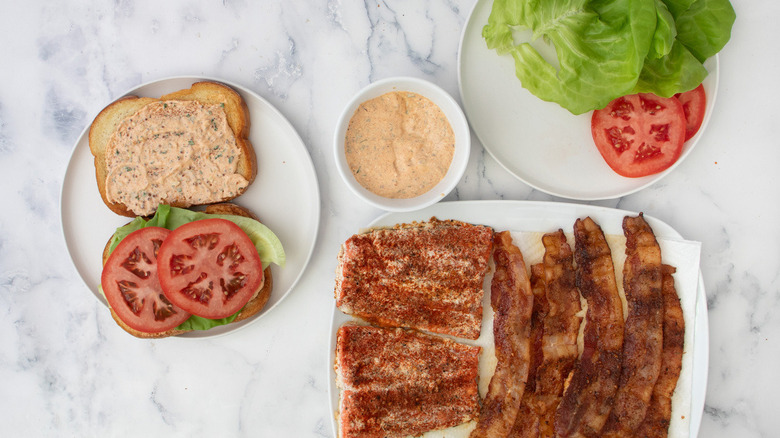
665,32
674,73
195,322
705,26
268,245
600,46
605,49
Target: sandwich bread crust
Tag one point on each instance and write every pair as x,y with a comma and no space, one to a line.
207,93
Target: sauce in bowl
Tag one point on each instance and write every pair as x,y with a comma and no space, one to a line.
399,145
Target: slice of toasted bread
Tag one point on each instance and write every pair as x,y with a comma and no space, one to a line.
251,308
206,92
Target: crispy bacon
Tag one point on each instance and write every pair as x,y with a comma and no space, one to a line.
426,276
587,400
558,344
527,419
561,326
643,336
399,382
512,302
659,412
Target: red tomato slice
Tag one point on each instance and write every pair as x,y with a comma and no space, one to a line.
132,288
209,268
694,105
640,134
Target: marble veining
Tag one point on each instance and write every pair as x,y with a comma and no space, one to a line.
68,370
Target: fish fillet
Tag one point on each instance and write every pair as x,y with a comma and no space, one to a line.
426,276
400,382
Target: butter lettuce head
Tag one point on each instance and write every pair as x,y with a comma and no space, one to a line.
609,48
268,245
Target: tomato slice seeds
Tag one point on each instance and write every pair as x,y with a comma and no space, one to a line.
210,268
639,134
694,104
131,285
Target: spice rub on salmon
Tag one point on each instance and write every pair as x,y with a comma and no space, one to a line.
424,275
399,382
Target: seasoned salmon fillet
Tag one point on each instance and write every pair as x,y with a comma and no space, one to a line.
398,382
425,275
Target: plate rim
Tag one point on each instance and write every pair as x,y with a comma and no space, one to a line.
649,180
700,348
307,166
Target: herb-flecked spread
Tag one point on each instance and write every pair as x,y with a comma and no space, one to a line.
173,152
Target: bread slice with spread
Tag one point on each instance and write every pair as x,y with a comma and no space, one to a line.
190,147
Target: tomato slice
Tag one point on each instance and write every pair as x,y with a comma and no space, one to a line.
131,285
694,103
210,268
639,134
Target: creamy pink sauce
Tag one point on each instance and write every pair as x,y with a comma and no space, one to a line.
399,145
173,152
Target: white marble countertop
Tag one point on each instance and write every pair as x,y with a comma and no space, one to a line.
68,370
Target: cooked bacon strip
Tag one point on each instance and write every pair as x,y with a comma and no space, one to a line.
643,336
561,323
399,382
425,275
588,398
659,413
512,302
527,420
561,326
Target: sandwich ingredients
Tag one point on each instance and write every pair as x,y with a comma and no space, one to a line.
399,145
265,243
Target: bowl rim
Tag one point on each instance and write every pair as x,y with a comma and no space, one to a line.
449,107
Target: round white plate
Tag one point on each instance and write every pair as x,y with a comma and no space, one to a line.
285,196
545,217
539,142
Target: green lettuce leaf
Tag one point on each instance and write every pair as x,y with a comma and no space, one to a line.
269,247
674,73
600,46
605,49
196,322
665,32
705,27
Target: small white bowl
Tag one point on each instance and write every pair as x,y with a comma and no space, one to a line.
456,118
